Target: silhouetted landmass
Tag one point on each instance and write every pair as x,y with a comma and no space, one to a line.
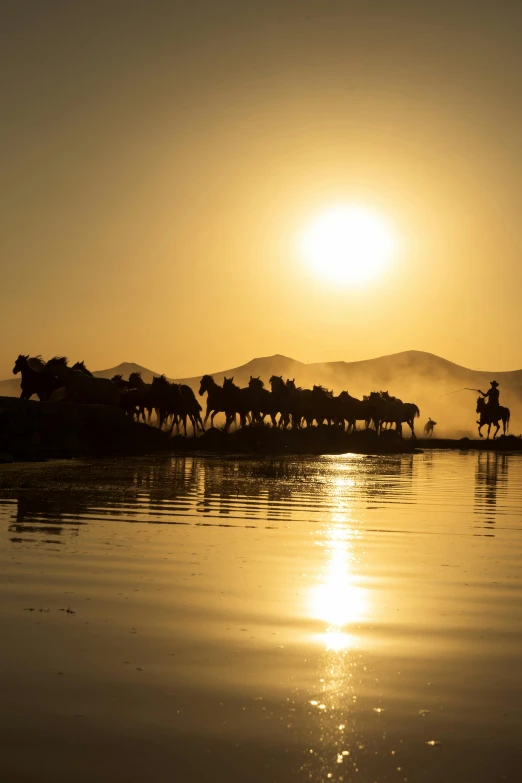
31,430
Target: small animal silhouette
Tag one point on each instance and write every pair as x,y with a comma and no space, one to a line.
428,427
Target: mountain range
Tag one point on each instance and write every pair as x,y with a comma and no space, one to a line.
432,382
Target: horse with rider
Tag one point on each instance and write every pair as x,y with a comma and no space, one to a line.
491,411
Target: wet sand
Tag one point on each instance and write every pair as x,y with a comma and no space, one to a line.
337,618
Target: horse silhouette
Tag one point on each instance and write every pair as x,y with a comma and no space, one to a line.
259,401
497,414
144,389
35,378
215,398
177,401
388,409
82,388
354,410
131,401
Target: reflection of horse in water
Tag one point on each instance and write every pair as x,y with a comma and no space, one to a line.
498,413
490,482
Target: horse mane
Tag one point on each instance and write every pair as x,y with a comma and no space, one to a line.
36,363
59,360
116,378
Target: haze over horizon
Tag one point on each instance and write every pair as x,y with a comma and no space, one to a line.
161,160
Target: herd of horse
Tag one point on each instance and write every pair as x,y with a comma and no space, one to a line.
175,405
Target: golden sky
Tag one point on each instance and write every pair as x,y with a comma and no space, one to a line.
161,159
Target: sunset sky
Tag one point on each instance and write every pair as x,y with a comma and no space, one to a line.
161,162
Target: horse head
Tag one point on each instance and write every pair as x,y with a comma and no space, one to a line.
255,383
206,383
81,367
21,364
135,380
276,381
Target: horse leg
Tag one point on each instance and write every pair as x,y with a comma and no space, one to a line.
496,431
412,427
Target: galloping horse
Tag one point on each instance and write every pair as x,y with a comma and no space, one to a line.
131,401
215,398
144,389
494,416
281,400
83,388
260,402
35,378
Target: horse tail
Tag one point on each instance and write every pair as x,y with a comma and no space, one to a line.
417,412
508,417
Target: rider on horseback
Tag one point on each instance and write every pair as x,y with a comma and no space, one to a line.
492,396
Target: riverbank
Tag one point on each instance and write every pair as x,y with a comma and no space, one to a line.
35,431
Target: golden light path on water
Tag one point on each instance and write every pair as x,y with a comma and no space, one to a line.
342,602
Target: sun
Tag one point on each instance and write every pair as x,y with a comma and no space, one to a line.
348,244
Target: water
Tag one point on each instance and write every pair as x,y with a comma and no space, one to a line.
334,619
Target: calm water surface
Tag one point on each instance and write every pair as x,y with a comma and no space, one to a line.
334,619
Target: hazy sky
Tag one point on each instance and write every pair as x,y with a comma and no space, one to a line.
160,159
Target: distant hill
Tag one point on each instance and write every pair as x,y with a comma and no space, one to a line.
414,376
125,369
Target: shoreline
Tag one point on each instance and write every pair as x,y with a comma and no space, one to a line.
33,431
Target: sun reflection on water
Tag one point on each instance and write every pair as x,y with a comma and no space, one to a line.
341,602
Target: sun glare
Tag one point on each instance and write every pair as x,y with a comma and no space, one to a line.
348,244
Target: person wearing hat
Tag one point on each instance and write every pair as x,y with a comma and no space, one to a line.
492,395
